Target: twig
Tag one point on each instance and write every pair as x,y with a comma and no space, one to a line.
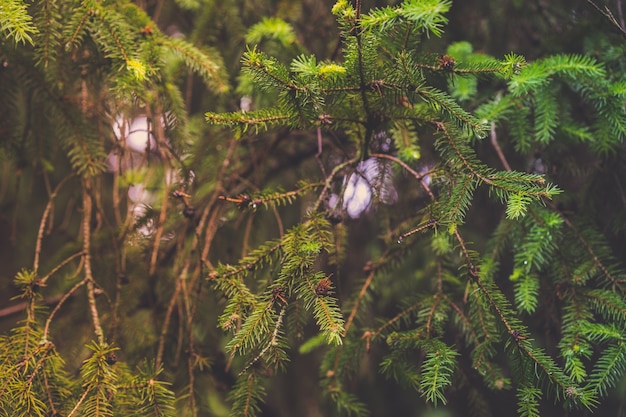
606,12
159,232
211,209
59,304
166,322
80,401
496,146
44,218
417,175
87,208
59,266
364,288
330,178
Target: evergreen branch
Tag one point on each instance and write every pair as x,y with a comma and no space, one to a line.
391,322
421,228
99,381
608,304
437,370
246,396
526,293
80,402
514,328
464,319
250,262
437,299
16,23
271,199
347,403
615,282
426,16
546,114
608,369
253,329
272,28
207,64
506,183
401,370
272,343
79,29
528,401
47,44
155,397
84,150
260,120
448,65
113,25
602,333
460,198
268,71
441,102
329,319
536,75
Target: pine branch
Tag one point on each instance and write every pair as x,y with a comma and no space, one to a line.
608,369
247,395
16,23
437,370
206,63
426,16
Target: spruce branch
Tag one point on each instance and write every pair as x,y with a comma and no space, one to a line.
206,63
269,198
272,343
247,395
16,23
443,103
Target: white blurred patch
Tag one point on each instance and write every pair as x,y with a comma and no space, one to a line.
135,139
357,197
134,133
245,103
371,182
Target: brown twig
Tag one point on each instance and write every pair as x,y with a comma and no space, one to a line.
496,146
417,175
362,293
606,12
87,209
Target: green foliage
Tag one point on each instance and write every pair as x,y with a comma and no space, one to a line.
425,16
528,400
377,213
15,22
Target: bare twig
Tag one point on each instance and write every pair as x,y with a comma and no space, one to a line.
87,209
362,293
606,12
496,146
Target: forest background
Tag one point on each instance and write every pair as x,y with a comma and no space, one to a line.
139,241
